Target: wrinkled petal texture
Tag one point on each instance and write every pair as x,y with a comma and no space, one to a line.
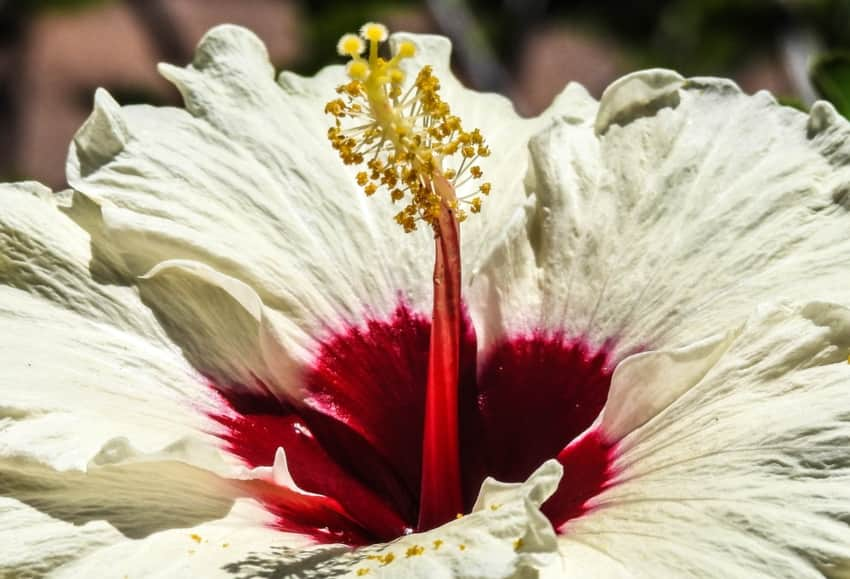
743,472
245,181
654,221
669,213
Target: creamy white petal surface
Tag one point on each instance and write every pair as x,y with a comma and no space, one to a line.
744,474
101,422
671,211
245,181
82,364
505,537
32,543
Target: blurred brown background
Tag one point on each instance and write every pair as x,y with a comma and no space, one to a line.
54,53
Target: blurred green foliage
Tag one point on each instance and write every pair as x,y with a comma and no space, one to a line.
831,77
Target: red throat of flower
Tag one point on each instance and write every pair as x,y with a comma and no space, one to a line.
441,497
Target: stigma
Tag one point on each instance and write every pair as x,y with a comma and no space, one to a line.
404,135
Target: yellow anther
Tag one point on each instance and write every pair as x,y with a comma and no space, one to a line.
485,188
350,45
374,32
358,69
406,49
416,149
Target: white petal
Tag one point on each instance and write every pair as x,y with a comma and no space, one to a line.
45,254
222,326
208,550
483,544
32,543
743,475
81,364
137,494
632,400
245,181
674,212
507,134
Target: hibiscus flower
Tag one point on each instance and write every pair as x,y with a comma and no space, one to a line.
220,358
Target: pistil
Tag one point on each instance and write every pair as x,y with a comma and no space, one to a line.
441,497
416,150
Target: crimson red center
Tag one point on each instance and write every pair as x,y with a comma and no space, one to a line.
356,439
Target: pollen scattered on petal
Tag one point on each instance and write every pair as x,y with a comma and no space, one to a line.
386,559
404,133
438,543
362,571
462,547
518,544
196,537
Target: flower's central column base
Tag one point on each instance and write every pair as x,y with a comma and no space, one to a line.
441,497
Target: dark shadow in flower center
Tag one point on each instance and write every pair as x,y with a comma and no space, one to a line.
357,438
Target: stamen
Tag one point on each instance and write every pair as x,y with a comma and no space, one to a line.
412,132
417,150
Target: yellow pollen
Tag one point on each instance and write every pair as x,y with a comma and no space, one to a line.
386,559
362,571
495,507
518,544
195,537
406,49
358,69
462,547
350,45
459,516
414,551
438,543
374,32
404,133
